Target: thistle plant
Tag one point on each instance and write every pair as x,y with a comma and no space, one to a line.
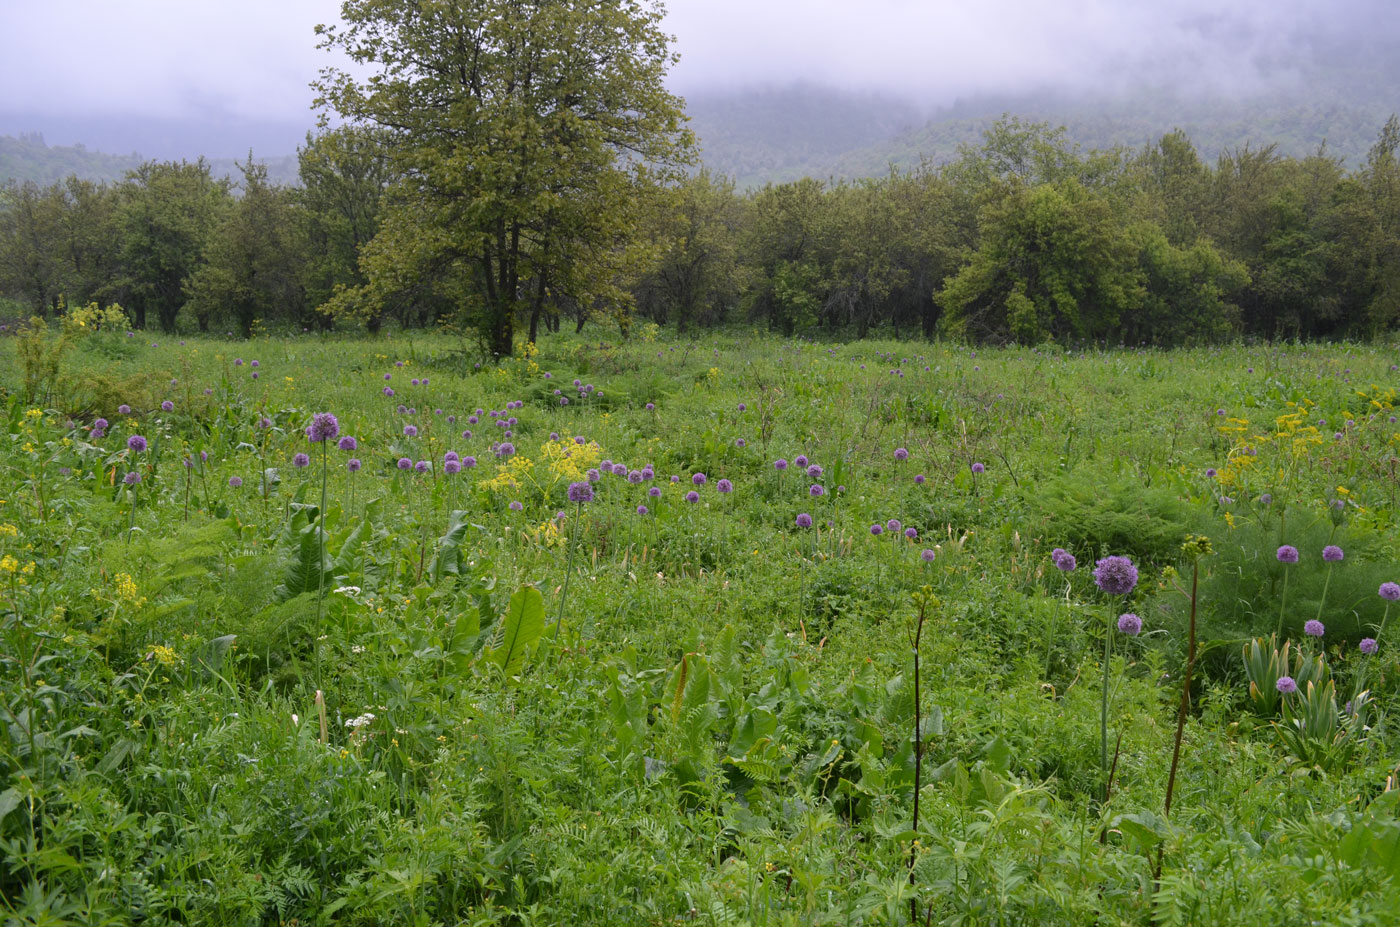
579,493
1116,576
323,429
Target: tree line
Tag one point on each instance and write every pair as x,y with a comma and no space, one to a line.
1025,238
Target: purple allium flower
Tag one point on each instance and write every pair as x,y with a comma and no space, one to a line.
468,462
893,525
451,455
203,456
563,400
132,478
100,424
1287,554
1331,553
780,464
413,382
1390,592
1287,685
919,479
804,520
651,407
817,491
1115,575
724,486
388,376
593,476
648,472
410,431
1369,645
634,476
877,529
1266,499
814,471
422,466
235,481
136,443
255,374
800,460
123,409
353,465
467,435
388,391
698,479
451,466
621,470
911,533
238,362
167,406
927,555
978,468
405,463
348,443
901,453
740,442
1129,624
1314,628
505,450
654,492
516,506
692,496
1210,473
324,427
254,364
1219,411
580,493
301,460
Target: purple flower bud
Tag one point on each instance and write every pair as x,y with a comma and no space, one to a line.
978,468
877,529
654,492
123,409
1115,575
911,533
698,479
410,431
919,480
235,481
817,490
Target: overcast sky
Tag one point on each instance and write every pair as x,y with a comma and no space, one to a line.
86,70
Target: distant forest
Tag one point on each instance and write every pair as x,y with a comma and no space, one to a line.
1023,236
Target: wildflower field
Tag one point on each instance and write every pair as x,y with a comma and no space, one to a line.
327,630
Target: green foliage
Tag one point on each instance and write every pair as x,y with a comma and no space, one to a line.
1090,516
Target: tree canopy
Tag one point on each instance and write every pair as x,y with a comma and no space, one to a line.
522,135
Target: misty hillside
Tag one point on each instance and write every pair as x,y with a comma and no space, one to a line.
28,158
809,131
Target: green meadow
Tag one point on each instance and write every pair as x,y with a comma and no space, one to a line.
734,630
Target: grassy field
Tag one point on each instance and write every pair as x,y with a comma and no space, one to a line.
619,665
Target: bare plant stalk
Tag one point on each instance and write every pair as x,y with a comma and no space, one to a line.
923,600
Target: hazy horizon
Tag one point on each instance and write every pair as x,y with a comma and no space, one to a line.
169,79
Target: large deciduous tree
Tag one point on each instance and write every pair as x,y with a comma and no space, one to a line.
521,132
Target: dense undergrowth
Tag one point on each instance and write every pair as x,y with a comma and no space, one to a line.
468,697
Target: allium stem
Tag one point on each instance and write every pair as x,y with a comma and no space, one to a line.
1103,711
568,572
1283,599
1327,581
320,562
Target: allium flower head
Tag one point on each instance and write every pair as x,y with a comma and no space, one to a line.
698,479
814,471
978,467
324,427
1390,592
468,462
410,431
405,463
353,465
804,520
911,533
800,460
1369,645
1287,554
301,460
620,470
901,453
516,505
422,466
451,466
877,529
634,476
123,409
919,480
1115,575
100,425
235,481
927,555
167,406
136,443
1314,628
348,443
893,525
580,492
780,464
1287,685
1332,553
1129,624
724,486
817,491
132,478
692,496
